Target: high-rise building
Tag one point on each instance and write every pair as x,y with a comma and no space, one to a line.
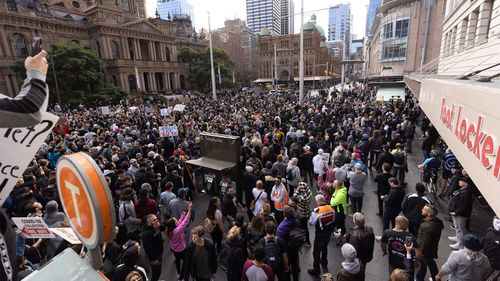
264,14
287,18
370,16
339,22
168,9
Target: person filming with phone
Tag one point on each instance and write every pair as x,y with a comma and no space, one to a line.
26,108
393,243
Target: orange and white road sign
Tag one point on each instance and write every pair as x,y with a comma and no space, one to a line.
86,199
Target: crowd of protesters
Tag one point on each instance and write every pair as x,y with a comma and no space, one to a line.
301,166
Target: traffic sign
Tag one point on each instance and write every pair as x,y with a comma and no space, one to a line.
86,199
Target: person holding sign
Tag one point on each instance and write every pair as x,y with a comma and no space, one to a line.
27,107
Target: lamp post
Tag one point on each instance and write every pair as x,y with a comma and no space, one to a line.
301,60
214,89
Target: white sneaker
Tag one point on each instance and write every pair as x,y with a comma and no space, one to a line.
378,238
453,239
455,246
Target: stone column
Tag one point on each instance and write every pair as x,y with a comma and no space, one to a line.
10,91
152,78
471,30
137,49
483,22
152,50
125,49
16,84
4,43
167,81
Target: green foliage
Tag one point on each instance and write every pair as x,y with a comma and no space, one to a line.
199,62
80,75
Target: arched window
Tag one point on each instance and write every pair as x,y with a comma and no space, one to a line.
19,43
167,54
115,50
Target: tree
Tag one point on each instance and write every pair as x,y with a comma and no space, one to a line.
79,72
199,66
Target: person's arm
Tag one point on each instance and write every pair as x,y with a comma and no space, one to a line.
26,108
447,268
383,246
272,193
313,219
286,265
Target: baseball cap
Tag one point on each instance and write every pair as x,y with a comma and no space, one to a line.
182,191
471,242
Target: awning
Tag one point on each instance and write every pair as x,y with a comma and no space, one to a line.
211,163
387,94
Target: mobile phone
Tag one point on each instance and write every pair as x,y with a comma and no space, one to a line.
37,46
408,241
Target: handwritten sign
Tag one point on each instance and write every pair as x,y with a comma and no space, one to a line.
179,107
105,110
67,234
165,111
19,145
168,131
33,227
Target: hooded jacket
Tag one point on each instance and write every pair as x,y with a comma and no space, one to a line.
491,247
235,260
352,271
466,266
428,236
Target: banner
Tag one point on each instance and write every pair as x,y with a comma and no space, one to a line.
33,227
105,110
168,131
19,145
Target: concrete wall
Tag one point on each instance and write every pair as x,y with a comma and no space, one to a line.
470,39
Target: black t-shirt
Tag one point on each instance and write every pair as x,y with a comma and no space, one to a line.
395,246
382,181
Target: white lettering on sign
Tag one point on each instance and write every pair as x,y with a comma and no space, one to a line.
74,192
471,135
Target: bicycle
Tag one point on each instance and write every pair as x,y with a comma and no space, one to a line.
431,185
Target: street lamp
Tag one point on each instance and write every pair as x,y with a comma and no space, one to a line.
214,89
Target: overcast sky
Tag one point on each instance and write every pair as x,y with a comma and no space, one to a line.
220,10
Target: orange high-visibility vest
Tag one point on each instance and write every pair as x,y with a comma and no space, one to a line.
280,206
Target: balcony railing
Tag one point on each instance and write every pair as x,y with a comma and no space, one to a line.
144,63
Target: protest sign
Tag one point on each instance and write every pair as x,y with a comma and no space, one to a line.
326,157
179,107
105,110
67,233
19,145
168,131
33,227
164,112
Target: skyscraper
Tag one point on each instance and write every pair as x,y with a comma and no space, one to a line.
264,14
370,16
339,23
287,18
175,8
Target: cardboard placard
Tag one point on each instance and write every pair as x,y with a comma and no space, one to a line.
19,145
168,131
179,107
67,234
164,112
105,110
33,227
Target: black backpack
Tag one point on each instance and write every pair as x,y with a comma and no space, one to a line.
297,237
273,255
289,174
399,158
